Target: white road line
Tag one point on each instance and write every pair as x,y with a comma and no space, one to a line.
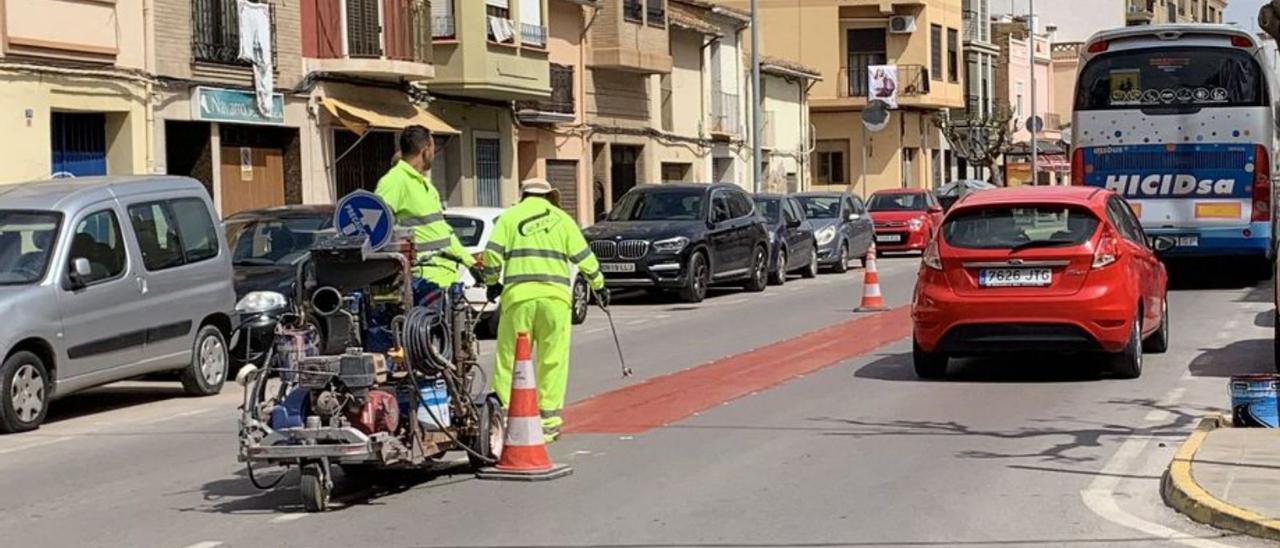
1170,399
594,330
1100,497
285,518
191,413
205,544
34,445
638,322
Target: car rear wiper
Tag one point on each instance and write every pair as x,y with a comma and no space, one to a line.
1041,243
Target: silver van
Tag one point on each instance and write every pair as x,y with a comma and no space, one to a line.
107,278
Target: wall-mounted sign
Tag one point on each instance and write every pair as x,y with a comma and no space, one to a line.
233,105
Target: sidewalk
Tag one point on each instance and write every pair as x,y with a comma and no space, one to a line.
1228,478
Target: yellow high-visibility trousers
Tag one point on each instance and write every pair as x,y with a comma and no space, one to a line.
548,321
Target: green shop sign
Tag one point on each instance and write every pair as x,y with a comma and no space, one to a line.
232,105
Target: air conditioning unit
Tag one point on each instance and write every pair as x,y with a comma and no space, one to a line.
902,24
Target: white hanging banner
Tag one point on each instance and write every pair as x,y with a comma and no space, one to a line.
884,84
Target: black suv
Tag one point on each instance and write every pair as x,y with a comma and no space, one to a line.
682,237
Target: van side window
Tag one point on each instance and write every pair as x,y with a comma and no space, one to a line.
198,235
157,236
97,239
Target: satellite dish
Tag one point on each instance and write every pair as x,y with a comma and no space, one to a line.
875,117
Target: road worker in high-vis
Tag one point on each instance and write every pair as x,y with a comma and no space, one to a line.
415,202
530,252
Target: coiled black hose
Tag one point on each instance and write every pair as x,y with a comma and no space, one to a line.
420,324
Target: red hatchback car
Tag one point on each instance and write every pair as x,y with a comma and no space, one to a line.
1040,269
905,219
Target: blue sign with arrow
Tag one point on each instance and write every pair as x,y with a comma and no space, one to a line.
363,213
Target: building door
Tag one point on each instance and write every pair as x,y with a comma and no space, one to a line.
488,172
563,176
78,143
624,159
252,178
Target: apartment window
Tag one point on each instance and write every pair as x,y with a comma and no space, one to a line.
657,13
633,10
1173,12
215,36
488,172
935,50
443,24
865,47
830,164
500,28
953,55
532,31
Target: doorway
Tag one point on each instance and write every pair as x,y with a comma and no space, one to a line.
78,143
623,174
563,176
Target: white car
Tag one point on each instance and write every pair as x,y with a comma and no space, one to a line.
473,225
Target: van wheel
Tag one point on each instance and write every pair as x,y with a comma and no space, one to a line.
928,365
24,392
1158,342
779,274
695,289
208,370
1128,363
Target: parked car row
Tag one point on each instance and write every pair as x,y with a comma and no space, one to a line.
685,238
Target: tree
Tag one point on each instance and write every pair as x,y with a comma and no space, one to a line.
978,139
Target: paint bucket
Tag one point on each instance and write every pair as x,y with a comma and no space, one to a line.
1254,402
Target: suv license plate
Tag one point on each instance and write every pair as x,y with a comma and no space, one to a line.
1015,277
618,267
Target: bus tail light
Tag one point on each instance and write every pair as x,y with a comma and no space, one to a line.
1261,185
1099,46
1077,167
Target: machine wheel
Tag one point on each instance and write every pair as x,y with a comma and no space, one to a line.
581,301
842,264
695,289
779,274
493,431
314,487
1158,342
208,370
24,392
928,365
1128,363
811,270
759,279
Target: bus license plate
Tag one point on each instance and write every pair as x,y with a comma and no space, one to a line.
1015,277
1188,241
618,267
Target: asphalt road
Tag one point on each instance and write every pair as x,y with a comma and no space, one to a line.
800,443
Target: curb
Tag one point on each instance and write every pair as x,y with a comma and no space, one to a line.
1181,492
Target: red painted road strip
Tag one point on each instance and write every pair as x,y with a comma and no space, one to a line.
663,400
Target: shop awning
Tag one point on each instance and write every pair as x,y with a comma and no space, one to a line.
361,116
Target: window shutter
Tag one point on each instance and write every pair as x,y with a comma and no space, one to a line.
504,4
531,12
442,8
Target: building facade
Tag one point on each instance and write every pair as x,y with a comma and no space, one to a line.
842,40
1014,87
786,138
1155,12
980,54
76,78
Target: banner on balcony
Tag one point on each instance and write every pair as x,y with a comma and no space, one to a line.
884,84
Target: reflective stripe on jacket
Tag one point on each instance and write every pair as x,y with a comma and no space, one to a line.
531,248
416,204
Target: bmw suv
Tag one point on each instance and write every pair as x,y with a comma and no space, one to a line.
683,238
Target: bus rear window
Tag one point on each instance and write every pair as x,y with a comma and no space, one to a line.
1175,78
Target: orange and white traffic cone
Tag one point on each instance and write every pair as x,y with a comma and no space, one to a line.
524,454
872,299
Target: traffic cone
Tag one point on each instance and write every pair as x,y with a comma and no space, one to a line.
524,454
872,299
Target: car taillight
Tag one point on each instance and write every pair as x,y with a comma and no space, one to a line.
1099,46
1108,251
931,257
1261,185
1241,42
1077,167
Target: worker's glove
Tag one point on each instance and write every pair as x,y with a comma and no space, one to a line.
493,292
602,297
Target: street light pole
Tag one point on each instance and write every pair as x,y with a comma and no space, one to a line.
756,130
1031,125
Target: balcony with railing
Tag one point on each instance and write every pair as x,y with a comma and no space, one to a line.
534,36
621,40
913,81
381,39
560,108
725,114
215,32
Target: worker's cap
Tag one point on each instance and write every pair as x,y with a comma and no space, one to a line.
537,187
